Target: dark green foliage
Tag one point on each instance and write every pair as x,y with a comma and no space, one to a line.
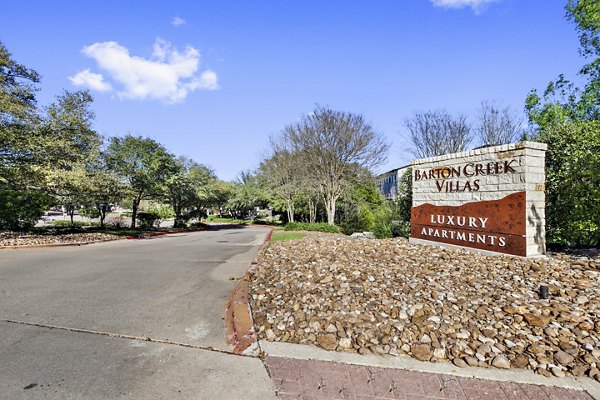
382,229
401,229
361,207
573,183
147,219
21,209
567,118
318,227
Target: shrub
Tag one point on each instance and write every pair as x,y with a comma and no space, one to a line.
67,224
117,223
382,229
147,219
318,227
573,183
21,209
400,229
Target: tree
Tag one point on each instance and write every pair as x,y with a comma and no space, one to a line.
18,146
334,146
216,193
184,188
497,125
143,164
281,175
67,129
434,133
73,149
247,194
562,101
567,118
573,182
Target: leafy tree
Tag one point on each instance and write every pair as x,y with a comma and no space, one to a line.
67,128
143,164
335,146
562,101
17,118
573,182
73,150
497,125
21,209
281,175
247,195
567,118
216,193
183,189
359,208
104,190
434,133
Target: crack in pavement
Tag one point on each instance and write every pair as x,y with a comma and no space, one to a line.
124,336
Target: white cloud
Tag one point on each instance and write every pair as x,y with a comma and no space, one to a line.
169,75
176,21
91,80
476,5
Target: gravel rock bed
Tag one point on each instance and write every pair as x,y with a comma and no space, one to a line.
12,239
390,297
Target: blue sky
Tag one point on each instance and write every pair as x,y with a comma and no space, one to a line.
212,80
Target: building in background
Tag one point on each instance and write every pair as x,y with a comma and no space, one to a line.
387,183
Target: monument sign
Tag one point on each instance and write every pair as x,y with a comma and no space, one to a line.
490,199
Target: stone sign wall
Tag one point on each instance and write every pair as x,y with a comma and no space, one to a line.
490,199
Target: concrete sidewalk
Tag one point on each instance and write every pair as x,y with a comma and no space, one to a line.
306,372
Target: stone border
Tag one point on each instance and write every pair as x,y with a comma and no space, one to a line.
130,237
239,324
41,246
307,352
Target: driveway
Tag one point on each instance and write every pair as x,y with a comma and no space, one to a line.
73,320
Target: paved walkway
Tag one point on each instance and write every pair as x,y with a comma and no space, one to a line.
304,379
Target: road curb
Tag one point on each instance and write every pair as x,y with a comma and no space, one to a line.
239,323
154,234
308,352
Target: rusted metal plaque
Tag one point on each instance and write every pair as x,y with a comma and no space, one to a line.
497,225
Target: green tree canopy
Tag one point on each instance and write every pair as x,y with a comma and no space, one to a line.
143,165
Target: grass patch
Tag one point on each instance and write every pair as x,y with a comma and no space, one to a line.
318,227
128,232
278,236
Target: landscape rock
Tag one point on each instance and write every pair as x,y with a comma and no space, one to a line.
501,362
328,342
421,352
391,297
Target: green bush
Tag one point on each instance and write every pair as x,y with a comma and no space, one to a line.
318,227
147,219
21,209
382,229
400,229
68,224
573,183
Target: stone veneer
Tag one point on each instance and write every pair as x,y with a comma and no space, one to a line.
524,174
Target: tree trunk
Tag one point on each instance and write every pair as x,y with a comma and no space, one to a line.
102,217
312,211
290,211
330,206
134,210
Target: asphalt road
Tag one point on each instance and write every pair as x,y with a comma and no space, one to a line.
68,317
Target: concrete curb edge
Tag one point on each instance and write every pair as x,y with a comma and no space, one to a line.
308,352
